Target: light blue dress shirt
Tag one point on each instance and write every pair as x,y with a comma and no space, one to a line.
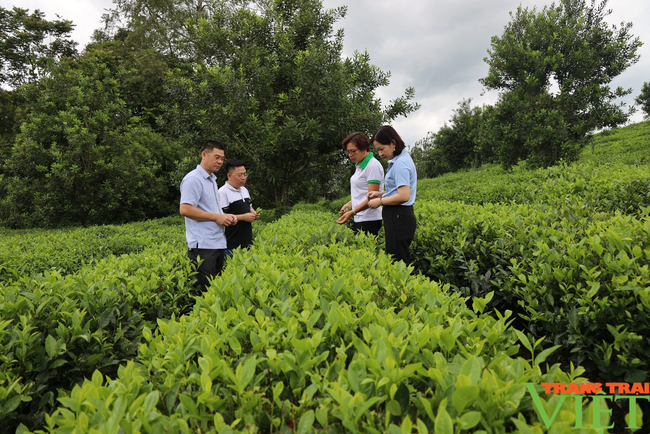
401,171
200,190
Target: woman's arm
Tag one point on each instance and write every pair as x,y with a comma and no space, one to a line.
346,215
403,195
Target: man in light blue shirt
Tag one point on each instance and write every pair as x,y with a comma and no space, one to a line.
205,222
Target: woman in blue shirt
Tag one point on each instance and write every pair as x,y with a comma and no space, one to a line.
399,197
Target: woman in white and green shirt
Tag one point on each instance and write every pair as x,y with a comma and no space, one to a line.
368,176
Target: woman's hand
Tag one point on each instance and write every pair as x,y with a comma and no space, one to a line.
375,194
374,203
345,208
345,217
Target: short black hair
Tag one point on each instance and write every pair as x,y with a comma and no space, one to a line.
386,135
231,165
209,145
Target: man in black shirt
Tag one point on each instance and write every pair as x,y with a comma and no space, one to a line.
235,199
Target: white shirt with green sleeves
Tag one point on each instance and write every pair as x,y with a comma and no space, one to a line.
368,171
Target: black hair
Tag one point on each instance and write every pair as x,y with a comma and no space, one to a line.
231,165
387,135
209,145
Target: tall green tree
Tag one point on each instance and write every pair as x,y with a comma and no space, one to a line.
553,69
464,142
171,27
429,160
460,141
269,80
81,156
142,76
29,45
644,99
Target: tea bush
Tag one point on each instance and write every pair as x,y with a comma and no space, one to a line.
315,329
57,329
627,145
613,174
28,252
579,277
599,187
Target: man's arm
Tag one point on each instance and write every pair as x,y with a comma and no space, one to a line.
249,216
194,213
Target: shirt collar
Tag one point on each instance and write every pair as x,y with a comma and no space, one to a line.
397,157
233,188
365,161
205,174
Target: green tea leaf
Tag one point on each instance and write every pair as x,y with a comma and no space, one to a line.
524,340
394,408
443,423
541,357
464,396
356,374
306,422
50,346
470,419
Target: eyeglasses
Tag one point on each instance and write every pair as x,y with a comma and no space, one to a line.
351,151
241,175
218,157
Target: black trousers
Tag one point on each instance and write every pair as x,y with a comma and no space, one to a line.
371,227
399,225
211,265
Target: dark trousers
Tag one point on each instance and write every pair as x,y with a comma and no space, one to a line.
211,265
399,225
371,227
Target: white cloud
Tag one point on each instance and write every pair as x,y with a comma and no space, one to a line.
84,14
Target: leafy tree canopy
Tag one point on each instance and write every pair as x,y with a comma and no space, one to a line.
29,44
644,99
554,68
81,156
101,135
269,80
465,142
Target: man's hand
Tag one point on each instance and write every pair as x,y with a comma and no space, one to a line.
248,217
225,219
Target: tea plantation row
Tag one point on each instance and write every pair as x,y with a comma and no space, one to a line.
28,252
581,279
316,329
57,327
612,175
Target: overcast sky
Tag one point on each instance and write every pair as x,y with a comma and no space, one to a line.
437,47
